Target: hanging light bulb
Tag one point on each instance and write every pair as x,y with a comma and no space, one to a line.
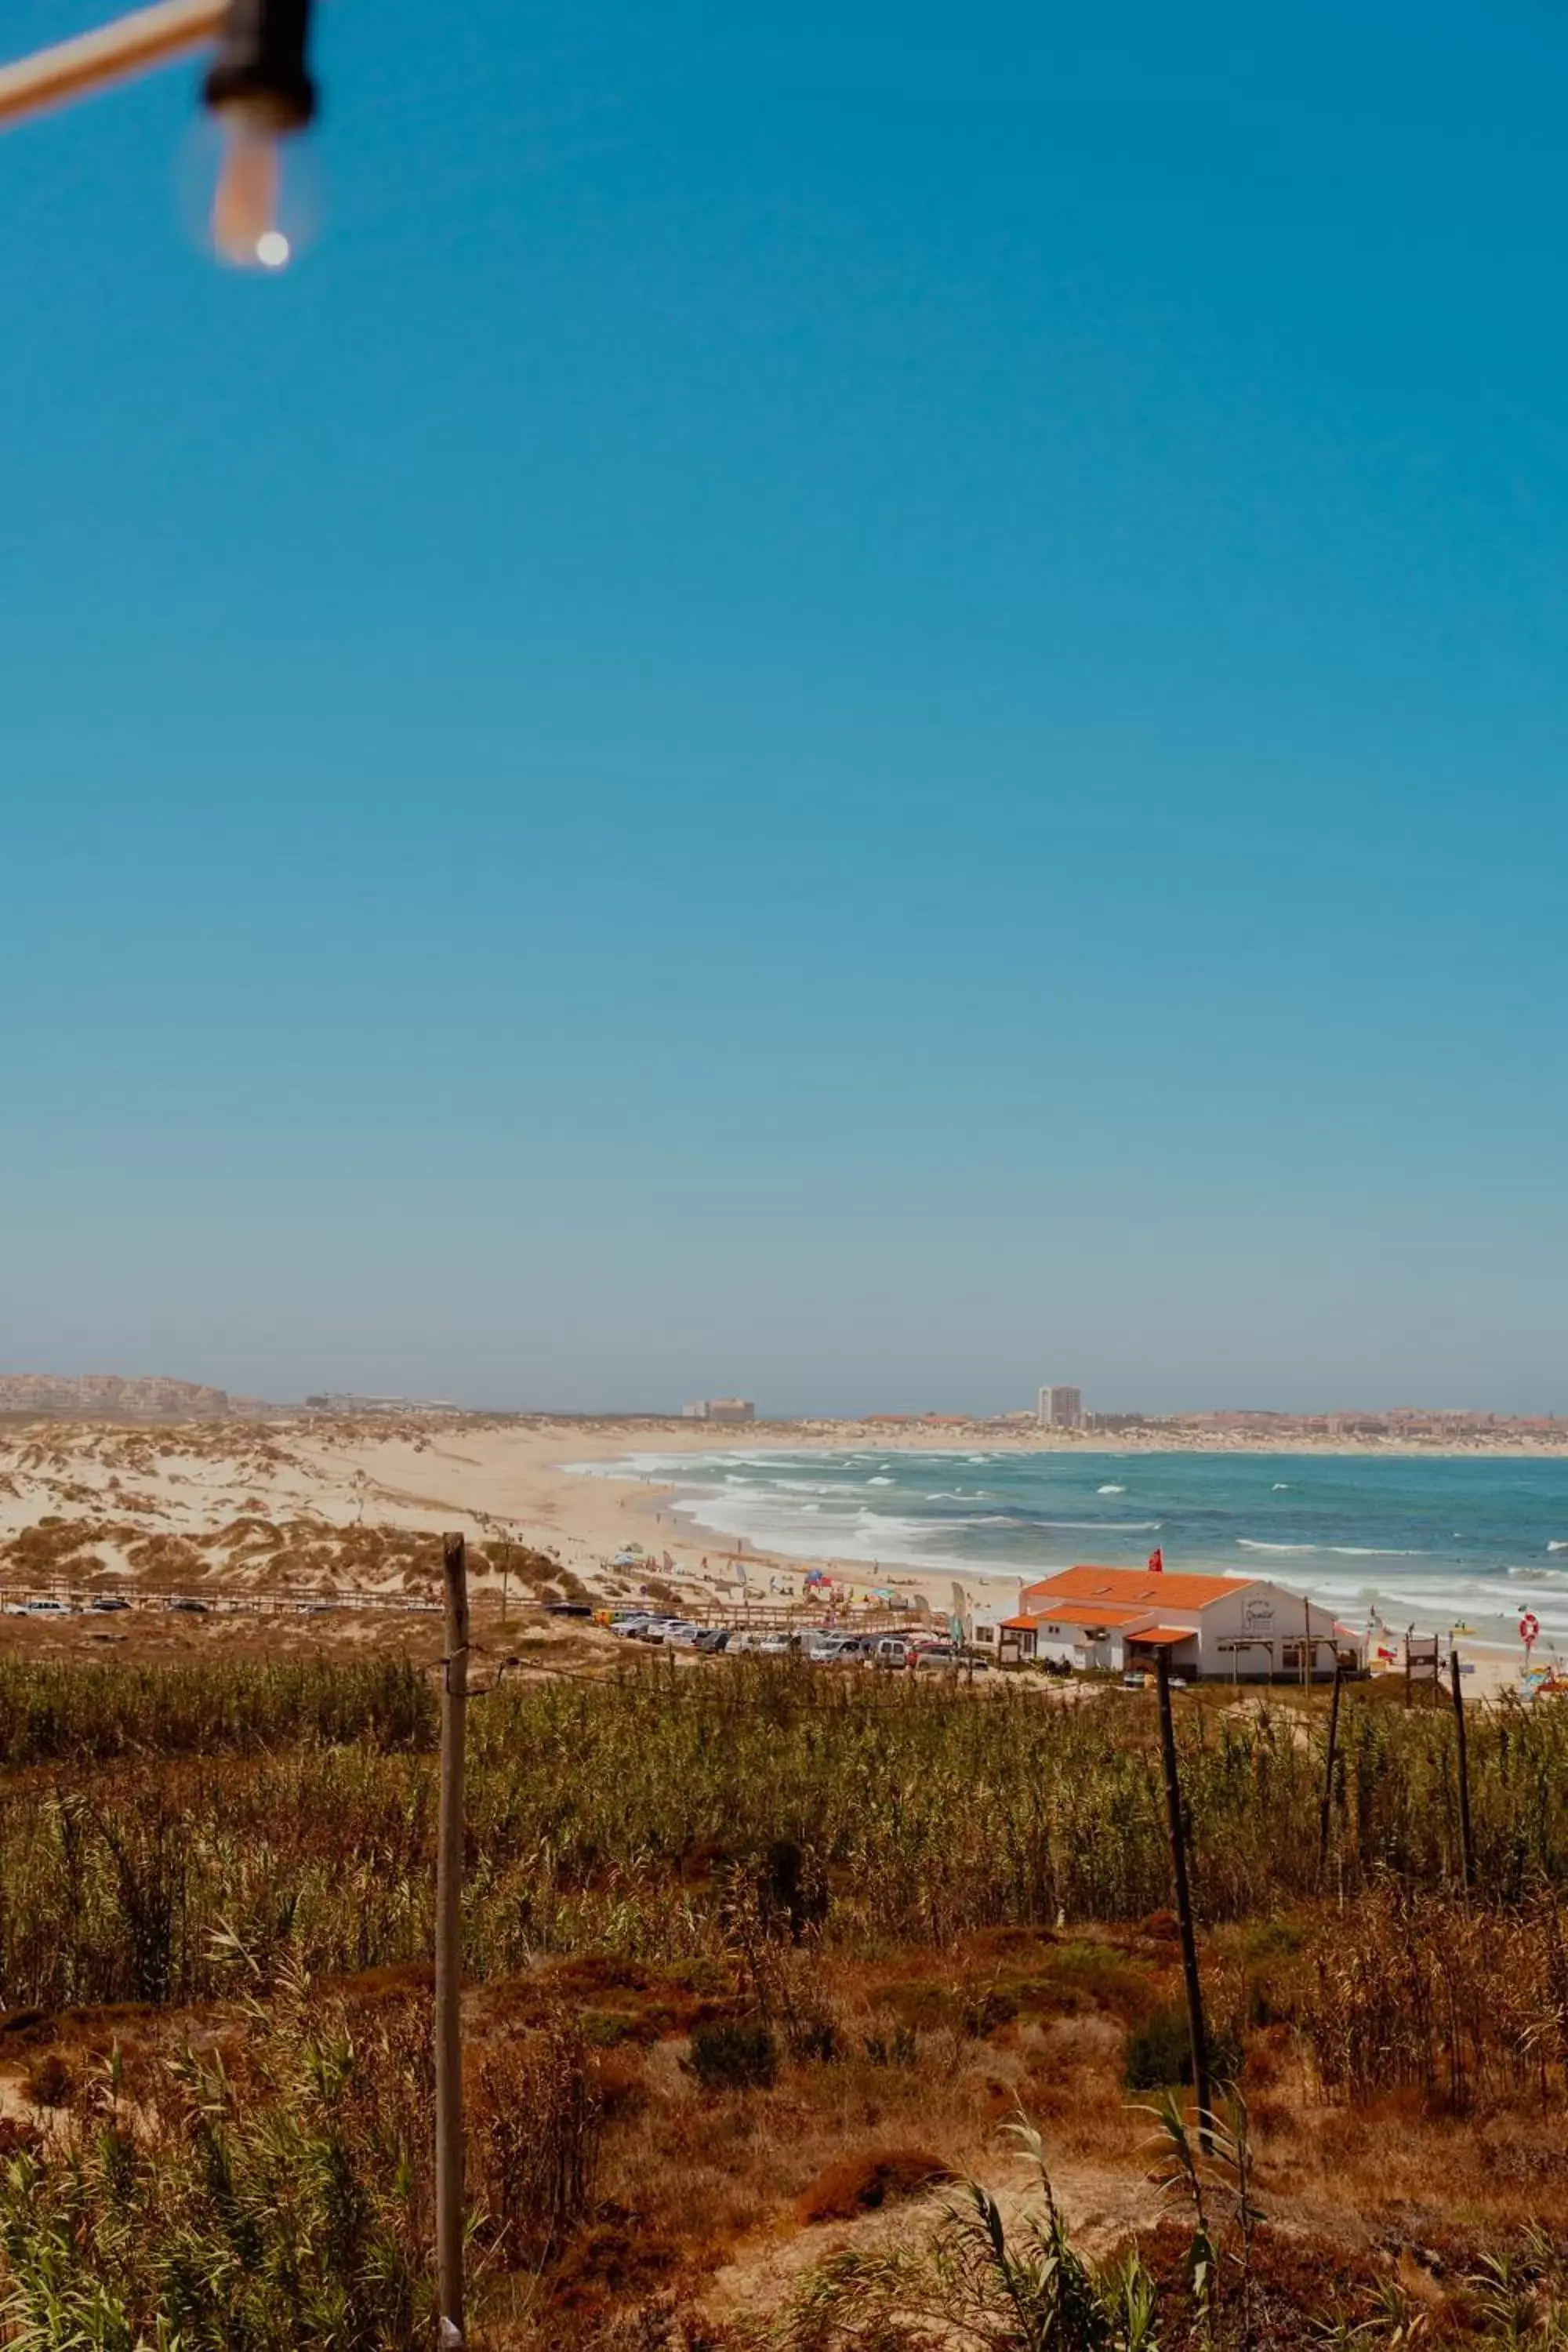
260,93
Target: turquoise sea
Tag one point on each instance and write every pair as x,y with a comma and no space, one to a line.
1429,1541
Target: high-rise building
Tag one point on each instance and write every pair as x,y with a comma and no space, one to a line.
720,1409
1061,1408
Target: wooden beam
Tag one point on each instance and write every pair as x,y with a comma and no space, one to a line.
1176,1824
70,69
449,1953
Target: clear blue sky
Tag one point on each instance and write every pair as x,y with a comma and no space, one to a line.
861,704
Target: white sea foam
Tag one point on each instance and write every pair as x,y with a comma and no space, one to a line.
1100,1526
879,1481
802,1501
1110,1490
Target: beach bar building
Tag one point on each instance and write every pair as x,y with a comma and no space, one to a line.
1235,1628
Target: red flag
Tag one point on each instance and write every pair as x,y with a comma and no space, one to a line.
1157,1561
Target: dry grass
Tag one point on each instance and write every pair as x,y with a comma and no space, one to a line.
940,1913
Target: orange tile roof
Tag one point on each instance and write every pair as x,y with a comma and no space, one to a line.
1077,1613
1166,1635
1132,1586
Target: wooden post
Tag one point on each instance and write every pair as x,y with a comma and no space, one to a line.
1309,1650
1467,1843
449,1954
505,1575
1407,1666
1325,1808
1177,1828
91,61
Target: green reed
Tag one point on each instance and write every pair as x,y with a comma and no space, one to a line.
293,1806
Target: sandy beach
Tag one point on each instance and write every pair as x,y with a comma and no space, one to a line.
131,1496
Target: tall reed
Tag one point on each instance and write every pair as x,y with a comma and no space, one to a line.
295,1807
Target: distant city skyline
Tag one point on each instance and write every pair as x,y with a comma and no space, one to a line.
1058,1406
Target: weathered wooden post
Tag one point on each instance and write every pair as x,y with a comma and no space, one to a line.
449,1952
1176,1825
1467,1843
1325,1809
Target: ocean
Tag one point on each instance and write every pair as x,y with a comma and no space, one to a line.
1427,1541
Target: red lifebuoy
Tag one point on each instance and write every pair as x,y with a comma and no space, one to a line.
1529,1626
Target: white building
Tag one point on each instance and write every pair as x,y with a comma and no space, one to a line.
1234,1627
1061,1408
731,1408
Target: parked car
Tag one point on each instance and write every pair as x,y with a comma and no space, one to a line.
713,1639
104,1602
891,1650
190,1608
773,1646
46,1609
568,1608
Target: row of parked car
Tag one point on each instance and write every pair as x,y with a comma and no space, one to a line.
101,1604
819,1646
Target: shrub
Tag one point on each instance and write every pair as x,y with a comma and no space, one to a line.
899,2048
860,2184
734,2057
49,2082
1160,2051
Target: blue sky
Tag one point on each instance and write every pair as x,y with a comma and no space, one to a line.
861,705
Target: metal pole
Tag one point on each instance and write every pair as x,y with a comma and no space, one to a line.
1324,1809
1467,1843
1176,1825
449,1952
73,69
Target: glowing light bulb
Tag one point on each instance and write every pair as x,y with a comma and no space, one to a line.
258,97
245,202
